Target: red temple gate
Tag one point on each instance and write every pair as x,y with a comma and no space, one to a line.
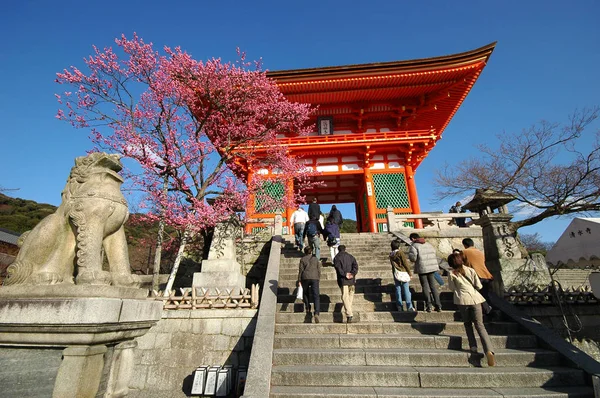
374,126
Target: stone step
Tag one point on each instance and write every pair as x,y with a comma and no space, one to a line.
357,306
367,317
392,328
407,392
386,297
398,341
331,288
372,282
337,297
330,274
404,356
369,261
290,267
383,294
427,377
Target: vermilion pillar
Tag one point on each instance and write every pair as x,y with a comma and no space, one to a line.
250,202
412,195
289,191
371,205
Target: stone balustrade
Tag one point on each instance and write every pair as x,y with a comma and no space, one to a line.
203,298
397,222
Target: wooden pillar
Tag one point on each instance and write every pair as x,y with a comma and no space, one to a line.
359,214
371,205
412,195
249,203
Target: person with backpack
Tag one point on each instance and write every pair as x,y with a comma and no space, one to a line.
332,232
309,275
313,231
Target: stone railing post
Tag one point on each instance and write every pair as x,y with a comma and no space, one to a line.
391,220
278,225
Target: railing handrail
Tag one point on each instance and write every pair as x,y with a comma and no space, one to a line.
258,380
549,338
444,216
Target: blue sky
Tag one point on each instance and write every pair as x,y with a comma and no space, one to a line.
545,64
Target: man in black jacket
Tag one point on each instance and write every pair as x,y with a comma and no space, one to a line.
314,210
346,267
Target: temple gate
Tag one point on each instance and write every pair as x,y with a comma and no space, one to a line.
374,126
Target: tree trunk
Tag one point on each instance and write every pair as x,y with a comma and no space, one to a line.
180,252
159,240
158,254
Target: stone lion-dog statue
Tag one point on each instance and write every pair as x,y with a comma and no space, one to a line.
66,246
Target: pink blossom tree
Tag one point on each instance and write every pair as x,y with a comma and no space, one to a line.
194,127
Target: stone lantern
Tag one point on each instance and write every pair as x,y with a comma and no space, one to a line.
502,250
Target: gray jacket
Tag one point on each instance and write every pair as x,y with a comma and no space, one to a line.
309,268
424,257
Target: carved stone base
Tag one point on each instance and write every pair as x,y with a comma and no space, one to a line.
85,326
80,372
64,290
219,279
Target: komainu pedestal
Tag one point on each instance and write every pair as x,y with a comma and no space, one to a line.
60,293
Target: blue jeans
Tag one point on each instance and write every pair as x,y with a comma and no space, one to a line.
315,243
298,232
403,294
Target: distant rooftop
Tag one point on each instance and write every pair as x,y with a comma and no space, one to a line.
9,236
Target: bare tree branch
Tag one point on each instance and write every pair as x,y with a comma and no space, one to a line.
543,167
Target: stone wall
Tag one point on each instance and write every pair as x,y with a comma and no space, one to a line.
184,340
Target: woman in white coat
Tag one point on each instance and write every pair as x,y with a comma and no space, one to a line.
465,284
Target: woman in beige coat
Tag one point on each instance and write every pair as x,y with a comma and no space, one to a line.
465,283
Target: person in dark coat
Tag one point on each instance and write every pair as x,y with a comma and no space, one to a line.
457,208
309,275
314,210
332,230
336,215
346,268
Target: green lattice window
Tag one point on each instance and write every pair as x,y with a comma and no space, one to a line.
270,189
390,191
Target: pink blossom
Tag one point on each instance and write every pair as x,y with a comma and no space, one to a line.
200,125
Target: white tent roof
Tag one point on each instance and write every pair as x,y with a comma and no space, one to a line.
579,245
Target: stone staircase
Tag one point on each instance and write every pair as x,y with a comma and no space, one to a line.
399,354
